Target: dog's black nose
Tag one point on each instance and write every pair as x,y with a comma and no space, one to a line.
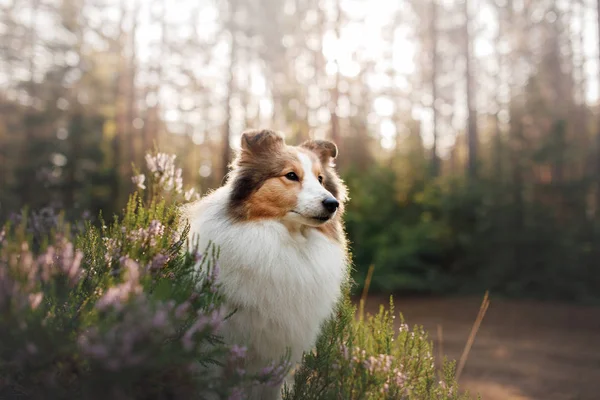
331,204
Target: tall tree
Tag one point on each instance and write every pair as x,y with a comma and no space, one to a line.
472,136
598,116
233,55
435,159
335,90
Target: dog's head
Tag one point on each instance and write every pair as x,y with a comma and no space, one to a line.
271,180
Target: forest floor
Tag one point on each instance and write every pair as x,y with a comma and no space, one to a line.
524,350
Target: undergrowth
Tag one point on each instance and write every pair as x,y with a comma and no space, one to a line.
123,310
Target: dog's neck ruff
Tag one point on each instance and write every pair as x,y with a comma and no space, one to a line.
285,278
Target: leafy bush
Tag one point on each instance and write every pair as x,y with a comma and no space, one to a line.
447,235
371,359
120,310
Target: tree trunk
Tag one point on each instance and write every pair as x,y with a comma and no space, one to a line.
497,149
471,116
598,121
335,92
435,160
131,100
118,144
150,133
233,49
30,114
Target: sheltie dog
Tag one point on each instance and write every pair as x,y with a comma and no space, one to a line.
283,256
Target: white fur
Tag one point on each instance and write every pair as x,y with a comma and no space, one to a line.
310,199
284,277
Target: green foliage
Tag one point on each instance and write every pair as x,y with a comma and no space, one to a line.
121,310
370,359
447,235
117,310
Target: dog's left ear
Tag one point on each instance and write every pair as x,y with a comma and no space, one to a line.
258,141
326,150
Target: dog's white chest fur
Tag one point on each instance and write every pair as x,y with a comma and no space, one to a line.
284,284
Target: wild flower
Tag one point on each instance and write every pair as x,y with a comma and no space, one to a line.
399,377
236,394
191,195
449,390
117,295
160,163
212,278
158,262
203,324
35,299
138,181
69,261
143,318
113,247
160,318
162,166
380,364
148,236
274,374
237,352
182,310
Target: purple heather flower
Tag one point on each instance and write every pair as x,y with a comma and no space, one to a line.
72,267
162,166
274,374
212,322
156,228
117,295
399,377
132,269
182,310
138,180
191,194
160,319
178,180
112,248
160,162
158,262
237,352
212,277
35,299
149,235
344,351
236,394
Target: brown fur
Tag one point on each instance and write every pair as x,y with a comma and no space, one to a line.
260,189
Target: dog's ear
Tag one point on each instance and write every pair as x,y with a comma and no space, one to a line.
257,141
325,149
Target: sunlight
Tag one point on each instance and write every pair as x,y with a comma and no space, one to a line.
387,129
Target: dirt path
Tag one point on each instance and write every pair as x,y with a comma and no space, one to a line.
523,350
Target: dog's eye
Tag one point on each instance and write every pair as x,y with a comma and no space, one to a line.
320,179
292,176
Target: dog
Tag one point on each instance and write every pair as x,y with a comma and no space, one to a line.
283,253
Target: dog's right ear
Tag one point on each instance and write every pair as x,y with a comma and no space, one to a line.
259,141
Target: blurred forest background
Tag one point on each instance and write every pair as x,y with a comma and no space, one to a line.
468,131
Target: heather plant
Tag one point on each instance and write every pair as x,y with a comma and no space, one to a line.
125,310
369,358
118,309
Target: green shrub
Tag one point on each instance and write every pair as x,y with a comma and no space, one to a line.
370,359
447,235
119,310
